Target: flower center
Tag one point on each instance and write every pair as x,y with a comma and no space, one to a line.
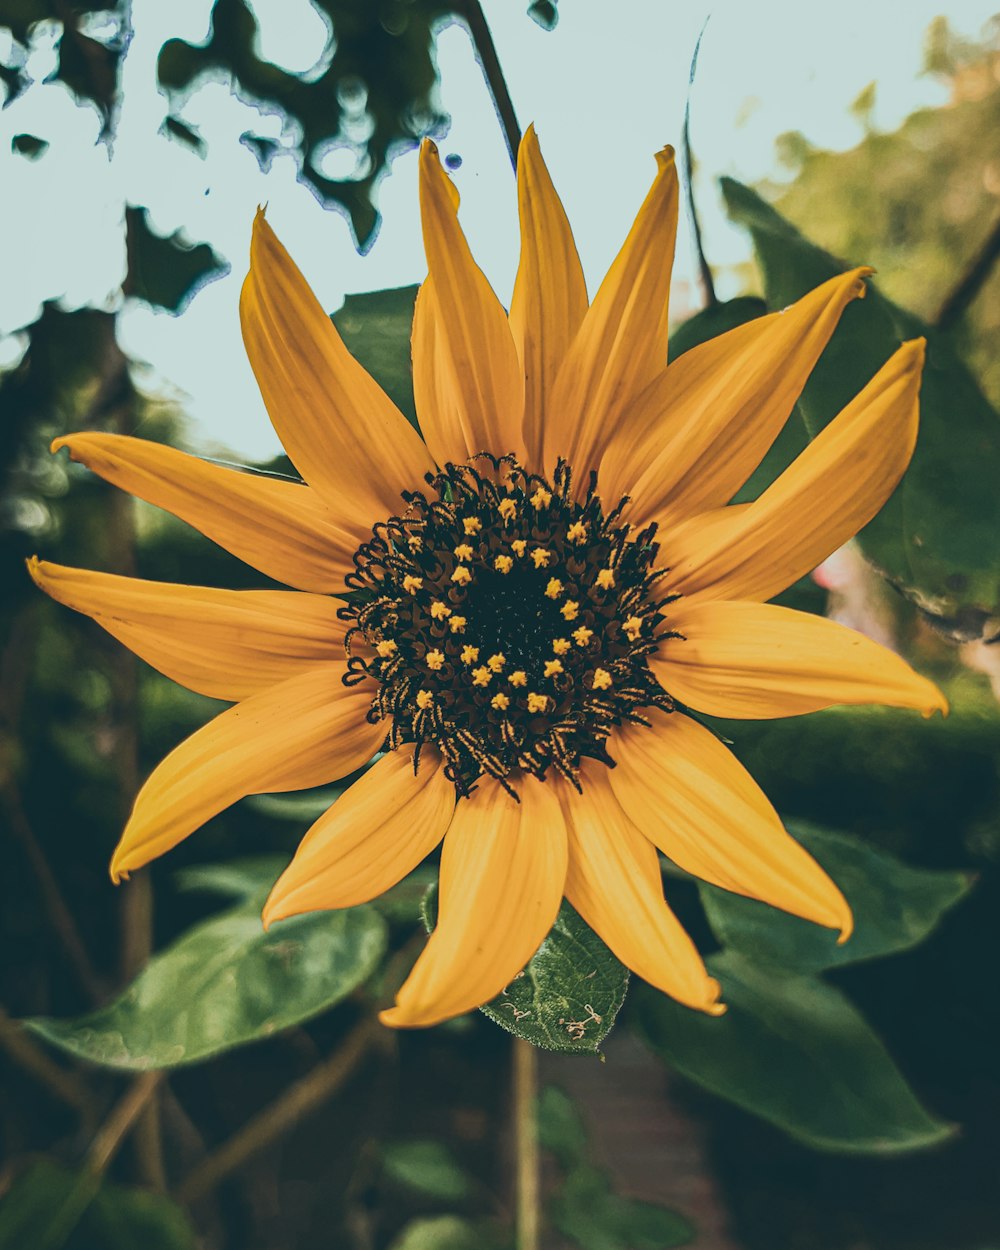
506,622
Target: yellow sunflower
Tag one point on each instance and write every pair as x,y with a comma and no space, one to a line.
519,608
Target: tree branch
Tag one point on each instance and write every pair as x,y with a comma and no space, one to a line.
527,1203
971,282
489,61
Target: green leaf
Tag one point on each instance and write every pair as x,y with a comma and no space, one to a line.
439,1232
165,271
183,133
427,1167
248,879
29,146
48,1207
560,1129
894,906
376,330
713,321
593,1217
301,809
795,1052
226,982
569,995
938,538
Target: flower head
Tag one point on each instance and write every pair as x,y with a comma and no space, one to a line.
569,484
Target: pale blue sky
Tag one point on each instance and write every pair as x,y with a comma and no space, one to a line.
603,100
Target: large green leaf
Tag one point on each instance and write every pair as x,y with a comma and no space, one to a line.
938,538
49,1207
226,982
595,1218
794,1051
376,330
442,1232
428,1167
894,906
569,995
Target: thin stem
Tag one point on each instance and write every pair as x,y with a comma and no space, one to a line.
489,61
20,1049
300,1099
526,1146
971,282
60,916
705,279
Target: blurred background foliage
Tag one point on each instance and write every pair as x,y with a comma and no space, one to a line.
186,1080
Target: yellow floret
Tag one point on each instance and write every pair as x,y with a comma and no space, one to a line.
385,648
552,667
496,662
560,645
424,699
538,702
606,579
457,624
463,551
541,557
570,609
461,575
577,532
633,627
435,659
503,564
554,589
541,499
500,702
439,610
470,655
519,678
602,679
518,546
471,525
582,636
412,584
481,676
507,508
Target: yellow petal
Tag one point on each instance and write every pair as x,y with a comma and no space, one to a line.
693,799
439,402
375,834
614,882
307,731
327,411
757,660
503,868
622,344
701,428
472,331
227,644
833,489
280,528
550,294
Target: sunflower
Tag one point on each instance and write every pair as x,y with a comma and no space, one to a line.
519,612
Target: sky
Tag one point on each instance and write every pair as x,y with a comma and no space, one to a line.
602,106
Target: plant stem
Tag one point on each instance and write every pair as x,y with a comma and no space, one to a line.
486,54
525,1060
704,271
22,1050
971,282
300,1099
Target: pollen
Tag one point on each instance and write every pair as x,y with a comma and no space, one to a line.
415,542
541,499
522,584
633,627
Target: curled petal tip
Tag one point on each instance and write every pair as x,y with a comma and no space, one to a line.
846,929
58,443
914,352
665,156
